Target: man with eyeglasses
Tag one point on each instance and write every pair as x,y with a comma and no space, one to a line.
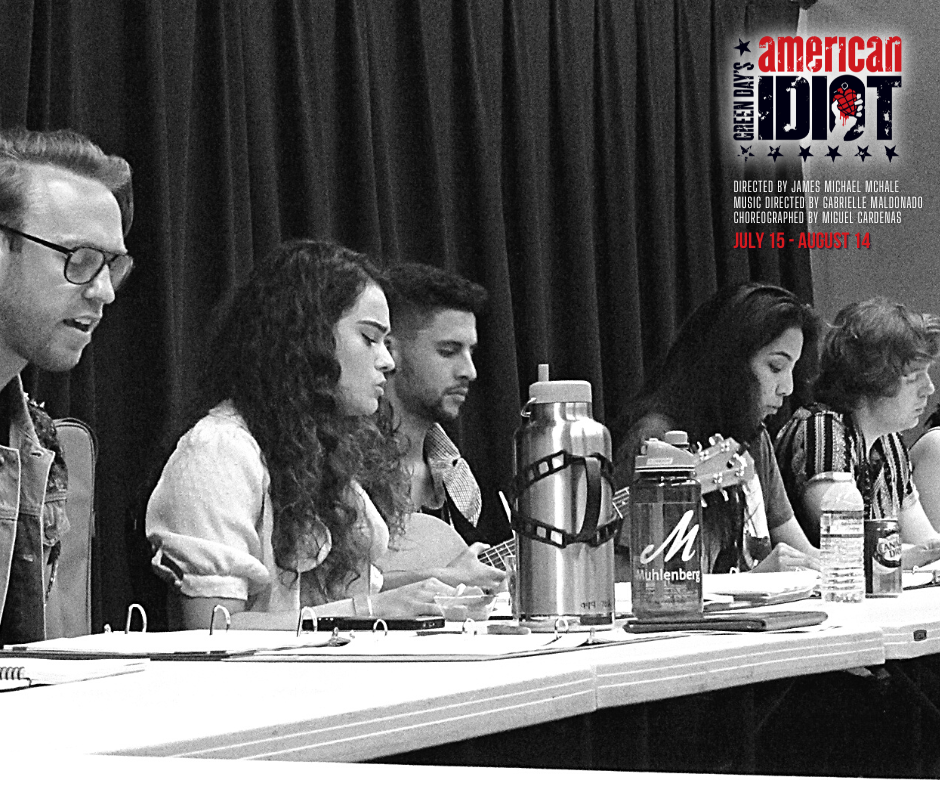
65,207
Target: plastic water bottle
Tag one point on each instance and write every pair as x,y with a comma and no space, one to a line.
842,541
665,533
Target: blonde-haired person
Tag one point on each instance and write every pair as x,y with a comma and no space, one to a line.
65,209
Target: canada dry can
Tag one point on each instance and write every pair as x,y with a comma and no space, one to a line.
666,545
882,558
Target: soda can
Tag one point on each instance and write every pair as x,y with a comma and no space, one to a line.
882,558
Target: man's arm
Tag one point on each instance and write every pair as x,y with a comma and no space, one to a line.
466,569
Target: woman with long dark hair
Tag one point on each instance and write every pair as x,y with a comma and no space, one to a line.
730,368
261,506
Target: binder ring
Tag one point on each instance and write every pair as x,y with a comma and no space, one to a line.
130,615
225,614
336,639
306,612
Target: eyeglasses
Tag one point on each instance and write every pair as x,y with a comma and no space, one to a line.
84,263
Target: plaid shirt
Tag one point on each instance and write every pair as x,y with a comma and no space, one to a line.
453,480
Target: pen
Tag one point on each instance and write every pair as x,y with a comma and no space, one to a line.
425,632
491,629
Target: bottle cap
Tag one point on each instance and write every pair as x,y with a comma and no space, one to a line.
659,456
840,476
842,495
678,438
546,391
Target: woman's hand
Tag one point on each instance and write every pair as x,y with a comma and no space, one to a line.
784,558
920,554
414,599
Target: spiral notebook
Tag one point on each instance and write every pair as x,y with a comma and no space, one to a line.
18,671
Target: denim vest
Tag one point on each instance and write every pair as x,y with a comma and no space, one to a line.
33,488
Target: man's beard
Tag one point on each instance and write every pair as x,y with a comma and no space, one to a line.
435,411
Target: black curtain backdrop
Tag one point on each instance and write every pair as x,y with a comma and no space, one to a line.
570,155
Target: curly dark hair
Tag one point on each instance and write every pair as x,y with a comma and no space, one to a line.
705,384
869,347
274,357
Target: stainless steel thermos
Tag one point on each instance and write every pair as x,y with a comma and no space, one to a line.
562,515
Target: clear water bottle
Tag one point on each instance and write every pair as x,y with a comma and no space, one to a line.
665,533
842,540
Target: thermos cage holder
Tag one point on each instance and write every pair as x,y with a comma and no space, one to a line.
597,469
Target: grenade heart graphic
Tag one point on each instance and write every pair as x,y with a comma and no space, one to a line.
845,98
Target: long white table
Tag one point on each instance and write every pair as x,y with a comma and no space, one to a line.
145,772
357,711
909,624
336,711
704,663
308,711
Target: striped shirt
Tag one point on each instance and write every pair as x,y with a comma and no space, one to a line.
818,441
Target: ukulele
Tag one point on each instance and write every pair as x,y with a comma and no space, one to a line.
427,542
430,542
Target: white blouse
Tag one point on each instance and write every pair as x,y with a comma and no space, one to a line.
211,514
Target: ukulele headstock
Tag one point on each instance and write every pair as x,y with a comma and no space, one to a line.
722,464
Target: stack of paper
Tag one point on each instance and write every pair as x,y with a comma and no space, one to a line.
190,644
18,671
763,588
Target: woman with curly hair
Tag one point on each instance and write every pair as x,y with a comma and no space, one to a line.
261,505
874,382
730,368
